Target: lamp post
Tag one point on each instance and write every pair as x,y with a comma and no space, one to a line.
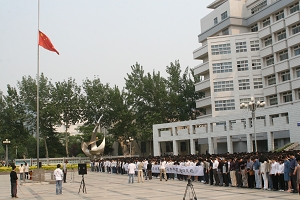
252,106
129,140
6,142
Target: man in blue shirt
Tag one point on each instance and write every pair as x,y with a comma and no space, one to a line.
256,167
293,164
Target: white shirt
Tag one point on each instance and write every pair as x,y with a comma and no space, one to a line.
21,169
274,168
215,164
26,168
163,165
131,168
58,174
281,168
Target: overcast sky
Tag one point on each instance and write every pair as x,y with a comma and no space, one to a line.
97,37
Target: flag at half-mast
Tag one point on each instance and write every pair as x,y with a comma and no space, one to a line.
45,42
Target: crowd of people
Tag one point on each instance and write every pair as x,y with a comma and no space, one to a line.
268,171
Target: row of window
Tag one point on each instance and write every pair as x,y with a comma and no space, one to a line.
240,47
285,97
242,65
244,84
222,105
282,55
283,76
224,15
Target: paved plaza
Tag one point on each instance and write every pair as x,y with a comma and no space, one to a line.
116,187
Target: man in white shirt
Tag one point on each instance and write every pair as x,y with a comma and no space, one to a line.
131,170
215,171
26,170
58,174
21,170
163,169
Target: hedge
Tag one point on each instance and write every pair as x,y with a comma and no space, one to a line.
45,167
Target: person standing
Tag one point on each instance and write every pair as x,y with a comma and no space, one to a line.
21,170
149,169
131,169
26,170
293,164
58,174
163,169
13,182
65,170
140,167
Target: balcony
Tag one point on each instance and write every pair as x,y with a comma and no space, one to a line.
201,69
201,52
202,85
280,45
278,25
270,90
293,18
293,39
294,61
206,101
295,83
266,51
268,70
281,66
284,86
264,32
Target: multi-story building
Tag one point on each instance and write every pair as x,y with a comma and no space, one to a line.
250,50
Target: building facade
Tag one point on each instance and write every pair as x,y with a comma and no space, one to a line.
250,50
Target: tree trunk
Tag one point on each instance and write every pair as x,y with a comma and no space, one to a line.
46,147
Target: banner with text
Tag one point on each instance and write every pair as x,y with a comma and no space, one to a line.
178,169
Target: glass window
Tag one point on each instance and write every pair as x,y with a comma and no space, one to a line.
254,28
266,22
215,21
241,47
223,86
297,72
225,32
222,67
242,65
256,64
254,45
244,84
279,15
285,76
296,50
257,82
220,49
273,100
224,15
294,8
258,7
224,105
296,29
281,35
287,96
268,41
283,55
271,80
270,60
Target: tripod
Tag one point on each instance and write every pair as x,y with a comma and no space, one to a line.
82,184
191,189
72,176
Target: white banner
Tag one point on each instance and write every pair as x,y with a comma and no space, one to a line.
178,169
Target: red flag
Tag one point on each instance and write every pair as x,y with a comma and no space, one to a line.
45,42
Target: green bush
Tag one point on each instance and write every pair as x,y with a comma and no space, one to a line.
45,167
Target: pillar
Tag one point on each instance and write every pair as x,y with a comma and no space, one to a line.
270,137
210,145
229,144
192,147
215,141
249,143
175,147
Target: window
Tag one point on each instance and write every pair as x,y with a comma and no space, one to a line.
225,32
242,65
266,22
224,105
258,7
222,67
296,50
241,47
256,64
222,86
245,100
283,55
254,45
297,72
296,29
294,8
224,15
285,76
215,21
244,84
271,80
270,60
254,28
273,100
220,49
260,99
279,15
257,82
298,92
268,41
287,96
281,35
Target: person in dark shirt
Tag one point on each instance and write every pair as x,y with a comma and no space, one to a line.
149,169
14,182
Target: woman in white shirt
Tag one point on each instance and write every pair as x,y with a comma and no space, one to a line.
274,173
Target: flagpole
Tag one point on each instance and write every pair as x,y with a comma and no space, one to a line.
38,96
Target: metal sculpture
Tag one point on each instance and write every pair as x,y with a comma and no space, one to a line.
95,150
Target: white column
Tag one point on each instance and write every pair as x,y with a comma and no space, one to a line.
210,145
156,147
229,144
215,141
192,147
270,137
249,143
175,147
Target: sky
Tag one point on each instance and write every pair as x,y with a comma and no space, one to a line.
97,38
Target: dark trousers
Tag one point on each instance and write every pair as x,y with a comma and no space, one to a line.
238,178
65,176
216,176
275,181
251,179
149,174
206,178
294,182
281,182
211,177
225,179
13,189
